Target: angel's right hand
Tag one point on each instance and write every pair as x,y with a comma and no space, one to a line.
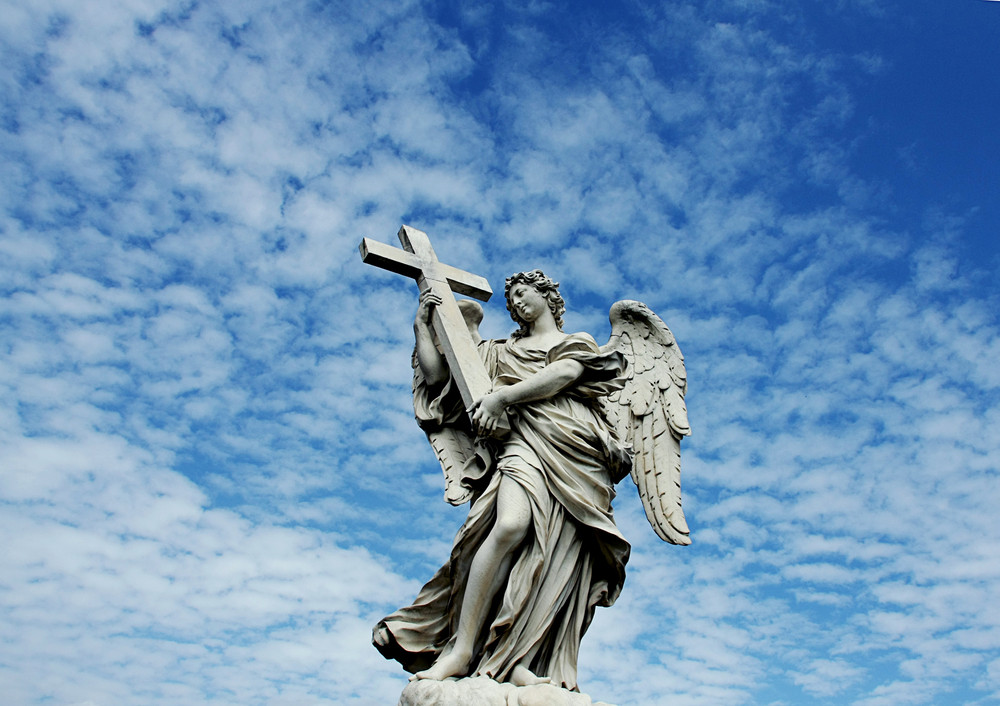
428,300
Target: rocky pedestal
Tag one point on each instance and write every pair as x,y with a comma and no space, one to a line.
483,691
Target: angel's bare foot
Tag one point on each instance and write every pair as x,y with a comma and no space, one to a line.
452,664
522,676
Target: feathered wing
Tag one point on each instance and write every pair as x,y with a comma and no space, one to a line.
442,417
650,413
455,450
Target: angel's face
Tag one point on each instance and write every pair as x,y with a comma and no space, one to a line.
528,303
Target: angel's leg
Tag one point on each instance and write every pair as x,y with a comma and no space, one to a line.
489,571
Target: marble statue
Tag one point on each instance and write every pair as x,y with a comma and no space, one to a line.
534,431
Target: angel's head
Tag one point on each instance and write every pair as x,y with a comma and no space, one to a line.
545,286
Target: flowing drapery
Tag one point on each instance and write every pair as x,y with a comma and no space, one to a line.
565,456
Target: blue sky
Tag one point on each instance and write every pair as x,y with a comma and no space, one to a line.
211,482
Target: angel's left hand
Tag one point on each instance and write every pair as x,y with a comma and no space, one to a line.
487,412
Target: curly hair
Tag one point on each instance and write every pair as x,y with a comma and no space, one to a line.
545,286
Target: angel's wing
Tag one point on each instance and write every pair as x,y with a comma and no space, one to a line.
650,413
440,414
455,449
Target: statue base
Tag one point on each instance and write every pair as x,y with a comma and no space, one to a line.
483,691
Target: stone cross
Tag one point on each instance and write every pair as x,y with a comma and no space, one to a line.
418,260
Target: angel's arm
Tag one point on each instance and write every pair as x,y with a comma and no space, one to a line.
547,382
432,364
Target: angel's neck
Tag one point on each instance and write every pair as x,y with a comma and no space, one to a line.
543,327
543,337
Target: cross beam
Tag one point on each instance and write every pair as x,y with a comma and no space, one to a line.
418,260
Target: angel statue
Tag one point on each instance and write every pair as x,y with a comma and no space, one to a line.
539,550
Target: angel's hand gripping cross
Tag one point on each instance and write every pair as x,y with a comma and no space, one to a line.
418,260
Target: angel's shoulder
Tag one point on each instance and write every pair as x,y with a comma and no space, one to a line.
580,339
572,345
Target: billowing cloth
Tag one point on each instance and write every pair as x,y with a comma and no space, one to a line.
564,454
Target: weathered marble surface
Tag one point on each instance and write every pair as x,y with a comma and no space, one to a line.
539,550
419,261
483,691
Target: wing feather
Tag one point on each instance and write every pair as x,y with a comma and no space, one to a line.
454,449
650,413
441,415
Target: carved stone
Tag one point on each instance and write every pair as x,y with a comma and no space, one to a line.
539,550
483,691
419,261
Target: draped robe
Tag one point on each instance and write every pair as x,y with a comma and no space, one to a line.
565,455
